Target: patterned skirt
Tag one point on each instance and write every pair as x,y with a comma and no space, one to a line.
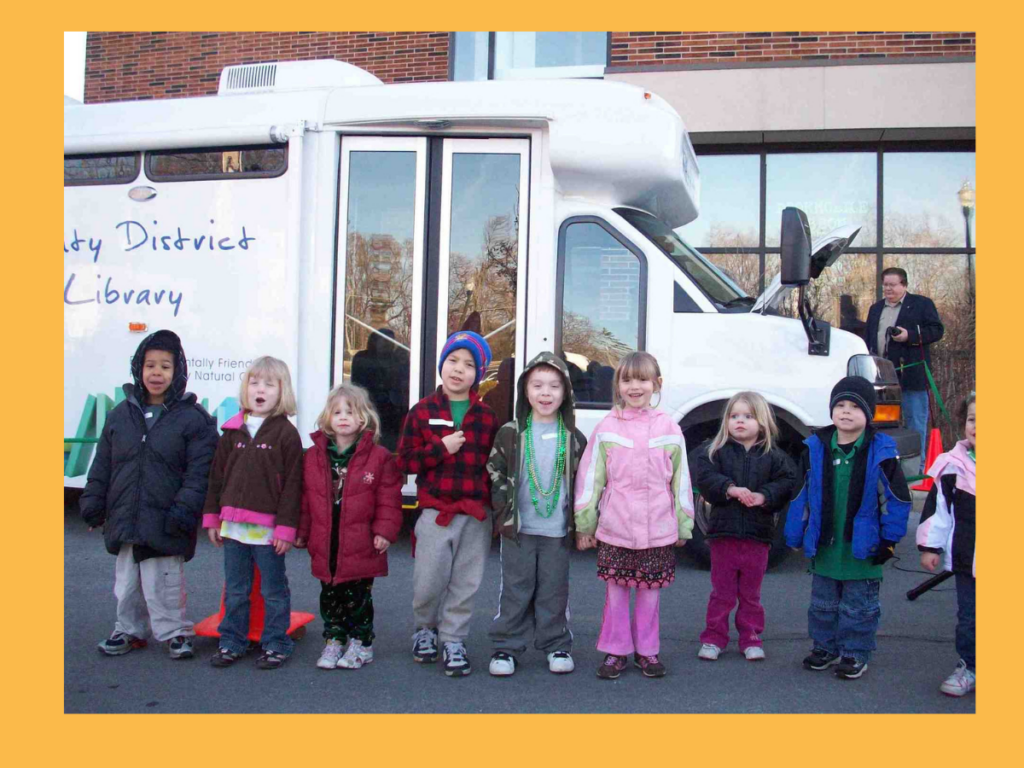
641,568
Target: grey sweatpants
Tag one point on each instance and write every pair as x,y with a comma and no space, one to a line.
534,594
448,569
150,593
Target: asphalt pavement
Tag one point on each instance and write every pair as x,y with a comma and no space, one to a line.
915,650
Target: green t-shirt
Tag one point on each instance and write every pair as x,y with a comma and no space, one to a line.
836,560
459,408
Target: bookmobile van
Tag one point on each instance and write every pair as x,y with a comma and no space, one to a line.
347,227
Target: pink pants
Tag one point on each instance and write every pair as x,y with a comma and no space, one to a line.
622,634
737,569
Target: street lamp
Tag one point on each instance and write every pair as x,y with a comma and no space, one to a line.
966,196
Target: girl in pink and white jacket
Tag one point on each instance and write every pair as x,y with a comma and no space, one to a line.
634,502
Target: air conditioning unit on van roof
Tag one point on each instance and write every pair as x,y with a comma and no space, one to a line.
273,77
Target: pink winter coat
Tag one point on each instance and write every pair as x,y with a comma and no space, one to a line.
633,486
371,505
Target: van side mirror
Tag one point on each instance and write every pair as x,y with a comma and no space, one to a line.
795,243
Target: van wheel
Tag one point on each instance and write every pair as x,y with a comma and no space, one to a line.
697,548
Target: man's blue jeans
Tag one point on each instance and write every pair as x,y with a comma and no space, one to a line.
915,409
843,617
234,627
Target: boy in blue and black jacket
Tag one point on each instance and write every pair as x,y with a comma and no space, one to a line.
848,517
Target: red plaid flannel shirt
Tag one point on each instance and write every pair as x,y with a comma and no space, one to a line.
450,483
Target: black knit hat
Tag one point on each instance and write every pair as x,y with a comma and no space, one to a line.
857,390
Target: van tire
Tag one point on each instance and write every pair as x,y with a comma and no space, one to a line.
697,547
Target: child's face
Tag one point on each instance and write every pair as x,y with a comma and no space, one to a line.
264,394
849,418
969,428
157,373
344,420
546,391
637,392
458,374
743,426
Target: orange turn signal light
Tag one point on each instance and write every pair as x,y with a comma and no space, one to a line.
887,413
137,327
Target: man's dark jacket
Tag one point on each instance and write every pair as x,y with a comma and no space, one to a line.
919,316
147,488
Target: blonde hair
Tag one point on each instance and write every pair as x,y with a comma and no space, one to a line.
360,401
635,365
767,429
272,368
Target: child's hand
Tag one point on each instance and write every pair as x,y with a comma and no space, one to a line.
454,441
381,544
280,546
743,494
756,500
681,542
214,535
585,542
930,560
300,543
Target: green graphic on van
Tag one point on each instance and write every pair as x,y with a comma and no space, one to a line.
78,450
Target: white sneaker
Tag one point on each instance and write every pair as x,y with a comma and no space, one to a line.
754,653
502,664
355,655
709,652
560,663
960,683
329,656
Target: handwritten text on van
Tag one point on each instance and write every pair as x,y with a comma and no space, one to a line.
134,235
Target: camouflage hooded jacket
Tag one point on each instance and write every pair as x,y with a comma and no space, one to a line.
504,462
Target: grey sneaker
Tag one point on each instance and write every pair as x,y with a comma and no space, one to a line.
356,655
709,652
456,662
331,653
180,647
424,645
120,643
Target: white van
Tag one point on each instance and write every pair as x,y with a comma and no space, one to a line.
347,227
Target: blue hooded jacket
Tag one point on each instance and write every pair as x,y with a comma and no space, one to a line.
879,504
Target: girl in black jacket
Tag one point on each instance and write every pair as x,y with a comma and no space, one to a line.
146,488
747,478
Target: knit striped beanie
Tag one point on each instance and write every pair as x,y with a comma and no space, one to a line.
477,347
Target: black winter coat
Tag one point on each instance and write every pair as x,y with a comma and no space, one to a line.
918,315
148,488
772,474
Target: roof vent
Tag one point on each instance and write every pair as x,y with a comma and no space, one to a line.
292,76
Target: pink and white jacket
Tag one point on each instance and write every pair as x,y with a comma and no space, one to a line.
633,485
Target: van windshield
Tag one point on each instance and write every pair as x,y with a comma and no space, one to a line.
712,281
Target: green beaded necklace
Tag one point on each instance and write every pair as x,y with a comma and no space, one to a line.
552,494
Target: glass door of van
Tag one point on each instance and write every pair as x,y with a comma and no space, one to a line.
482,255
379,280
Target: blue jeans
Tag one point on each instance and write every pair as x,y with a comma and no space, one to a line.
238,574
843,617
915,409
965,618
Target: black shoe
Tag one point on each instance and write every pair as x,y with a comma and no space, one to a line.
850,669
424,646
456,661
224,658
820,659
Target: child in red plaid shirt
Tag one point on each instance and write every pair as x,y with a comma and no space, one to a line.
446,442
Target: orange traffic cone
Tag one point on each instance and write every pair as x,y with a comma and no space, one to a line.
257,614
934,449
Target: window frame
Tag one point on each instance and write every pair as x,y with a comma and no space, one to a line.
563,228
136,156
238,176
590,71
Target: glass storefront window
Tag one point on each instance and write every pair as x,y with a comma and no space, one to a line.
921,206
842,295
744,269
832,188
470,56
729,203
520,55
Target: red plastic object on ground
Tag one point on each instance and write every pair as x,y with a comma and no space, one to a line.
257,613
934,449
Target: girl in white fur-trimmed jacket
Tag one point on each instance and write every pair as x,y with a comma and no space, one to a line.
946,535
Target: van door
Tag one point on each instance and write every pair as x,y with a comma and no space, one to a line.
378,306
482,256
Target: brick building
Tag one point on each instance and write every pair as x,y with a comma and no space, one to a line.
872,127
